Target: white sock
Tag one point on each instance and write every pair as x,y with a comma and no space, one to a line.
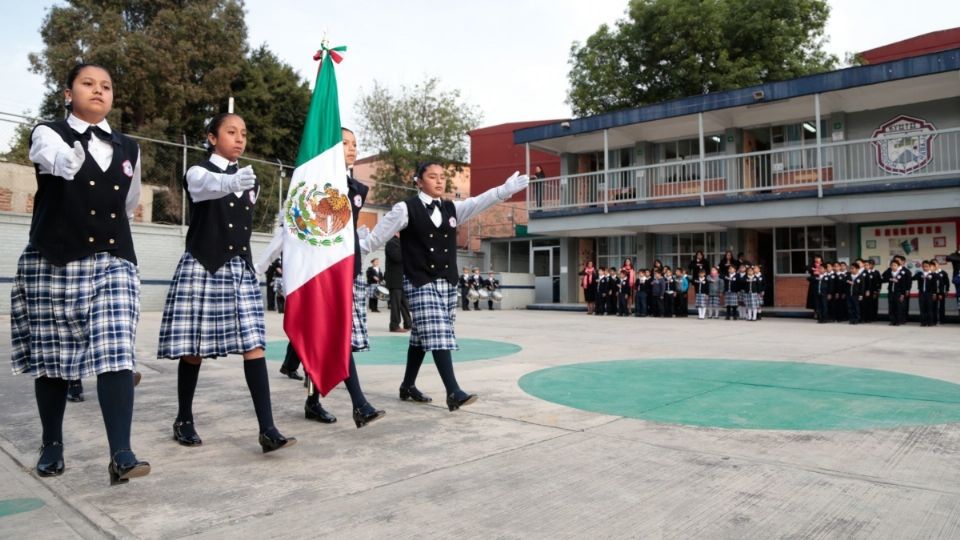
700,312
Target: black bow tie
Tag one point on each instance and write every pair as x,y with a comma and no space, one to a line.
433,206
95,131
231,169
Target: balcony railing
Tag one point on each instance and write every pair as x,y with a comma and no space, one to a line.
902,157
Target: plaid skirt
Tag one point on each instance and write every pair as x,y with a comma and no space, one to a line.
359,340
211,315
713,301
730,299
751,300
701,301
73,321
433,308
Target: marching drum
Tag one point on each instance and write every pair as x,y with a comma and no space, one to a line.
497,296
484,294
382,293
473,295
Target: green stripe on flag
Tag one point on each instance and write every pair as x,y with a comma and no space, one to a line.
322,128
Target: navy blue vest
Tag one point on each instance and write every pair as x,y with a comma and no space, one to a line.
355,190
73,219
220,229
429,252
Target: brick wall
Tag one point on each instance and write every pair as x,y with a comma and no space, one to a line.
790,291
6,200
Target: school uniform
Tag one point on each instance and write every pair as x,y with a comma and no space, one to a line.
731,288
657,289
624,294
641,296
763,291
701,289
823,290
681,301
928,288
751,296
491,285
463,283
613,290
715,288
855,289
898,286
942,298
601,285
475,282
669,296
374,278
75,300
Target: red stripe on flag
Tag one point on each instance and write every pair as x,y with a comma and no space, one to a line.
317,319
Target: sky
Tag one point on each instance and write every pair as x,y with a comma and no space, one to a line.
508,58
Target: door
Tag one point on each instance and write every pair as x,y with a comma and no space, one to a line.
546,272
765,259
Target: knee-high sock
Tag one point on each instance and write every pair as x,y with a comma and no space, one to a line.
51,403
255,372
353,386
414,361
444,362
115,393
187,375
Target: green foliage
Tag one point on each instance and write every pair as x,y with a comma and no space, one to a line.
20,146
423,123
667,49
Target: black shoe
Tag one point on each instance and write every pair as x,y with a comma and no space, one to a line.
315,411
75,391
126,468
51,459
412,394
271,440
136,378
460,399
185,434
366,414
293,374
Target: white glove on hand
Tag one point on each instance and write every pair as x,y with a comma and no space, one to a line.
515,184
243,180
68,162
362,232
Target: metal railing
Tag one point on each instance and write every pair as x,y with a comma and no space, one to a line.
900,157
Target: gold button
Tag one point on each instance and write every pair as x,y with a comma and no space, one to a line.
91,239
246,207
231,205
92,183
446,250
446,235
93,212
431,249
113,216
230,225
112,241
116,187
446,266
244,248
431,266
230,248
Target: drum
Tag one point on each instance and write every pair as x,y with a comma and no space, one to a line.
497,296
382,293
473,295
484,294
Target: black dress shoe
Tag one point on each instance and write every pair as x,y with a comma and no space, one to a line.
271,440
124,465
366,414
411,393
51,459
460,399
75,391
293,374
185,434
315,411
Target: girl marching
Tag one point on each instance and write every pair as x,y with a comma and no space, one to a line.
214,306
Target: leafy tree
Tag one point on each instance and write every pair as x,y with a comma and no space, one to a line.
423,123
667,49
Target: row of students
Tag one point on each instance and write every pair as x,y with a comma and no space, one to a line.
476,282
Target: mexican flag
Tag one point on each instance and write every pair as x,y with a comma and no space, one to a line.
318,240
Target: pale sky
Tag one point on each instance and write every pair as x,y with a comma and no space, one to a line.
507,57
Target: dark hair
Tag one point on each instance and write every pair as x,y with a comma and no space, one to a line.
74,73
345,128
422,168
213,127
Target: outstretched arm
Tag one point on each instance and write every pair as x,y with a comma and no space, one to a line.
474,205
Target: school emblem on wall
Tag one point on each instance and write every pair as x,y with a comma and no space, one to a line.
316,216
904,144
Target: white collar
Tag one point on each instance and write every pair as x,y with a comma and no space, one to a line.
221,162
426,198
81,126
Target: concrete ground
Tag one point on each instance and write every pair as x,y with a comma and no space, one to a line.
509,466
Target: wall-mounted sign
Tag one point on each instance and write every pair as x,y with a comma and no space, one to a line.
904,144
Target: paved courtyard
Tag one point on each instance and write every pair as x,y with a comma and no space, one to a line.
514,465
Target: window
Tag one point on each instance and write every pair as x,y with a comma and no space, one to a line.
689,148
797,246
612,250
802,137
510,256
675,250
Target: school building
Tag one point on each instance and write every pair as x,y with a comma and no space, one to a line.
859,162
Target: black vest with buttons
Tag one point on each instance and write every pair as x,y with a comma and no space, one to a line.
73,219
356,189
220,228
429,252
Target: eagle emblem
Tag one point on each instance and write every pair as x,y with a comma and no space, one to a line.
317,216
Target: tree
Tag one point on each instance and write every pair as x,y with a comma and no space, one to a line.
667,49
423,123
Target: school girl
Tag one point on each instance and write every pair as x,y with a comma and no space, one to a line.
701,291
75,301
715,288
751,288
428,236
213,307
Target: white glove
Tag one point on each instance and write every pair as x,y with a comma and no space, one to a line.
68,162
362,232
515,184
243,180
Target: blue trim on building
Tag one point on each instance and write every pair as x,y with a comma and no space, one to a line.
721,199
830,81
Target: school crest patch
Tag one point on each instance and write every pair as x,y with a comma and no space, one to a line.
904,144
357,201
316,216
453,222
127,168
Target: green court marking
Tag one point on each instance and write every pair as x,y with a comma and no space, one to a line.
749,394
9,507
393,350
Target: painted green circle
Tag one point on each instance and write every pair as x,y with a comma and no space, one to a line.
749,394
9,507
392,350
